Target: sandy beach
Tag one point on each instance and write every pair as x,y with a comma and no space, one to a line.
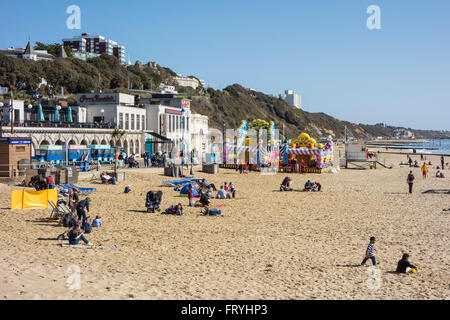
268,244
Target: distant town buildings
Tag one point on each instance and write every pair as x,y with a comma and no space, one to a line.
28,53
192,82
95,44
292,98
167,89
402,133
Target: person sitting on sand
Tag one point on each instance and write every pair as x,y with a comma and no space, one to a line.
205,200
439,174
97,222
105,178
76,235
317,186
309,186
222,194
286,184
127,189
404,266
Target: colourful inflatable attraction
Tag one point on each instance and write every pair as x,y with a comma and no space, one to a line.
254,143
306,152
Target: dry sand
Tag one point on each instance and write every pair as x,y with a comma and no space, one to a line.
268,245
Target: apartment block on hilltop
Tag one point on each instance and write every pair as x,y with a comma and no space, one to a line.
95,44
292,98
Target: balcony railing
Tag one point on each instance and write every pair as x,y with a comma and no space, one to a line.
48,124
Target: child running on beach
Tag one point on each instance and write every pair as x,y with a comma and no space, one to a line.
370,252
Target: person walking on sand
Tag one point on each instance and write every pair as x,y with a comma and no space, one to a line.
425,170
370,252
410,181
442,163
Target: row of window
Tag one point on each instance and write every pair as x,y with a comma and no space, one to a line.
137,121
173,122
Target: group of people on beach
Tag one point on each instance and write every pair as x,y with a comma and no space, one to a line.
309,186
403,265
226,191
425,169
82,225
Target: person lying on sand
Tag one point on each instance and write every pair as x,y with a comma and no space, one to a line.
76,235
202,184
404,266
211,212
176,210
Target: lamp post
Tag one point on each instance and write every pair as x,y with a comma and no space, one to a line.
12,113
1,119
103,115
30,106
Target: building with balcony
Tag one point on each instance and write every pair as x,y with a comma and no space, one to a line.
95,44
161,122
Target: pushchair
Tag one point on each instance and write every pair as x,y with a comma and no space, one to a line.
153,201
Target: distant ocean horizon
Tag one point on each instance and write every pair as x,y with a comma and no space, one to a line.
439,146
435,146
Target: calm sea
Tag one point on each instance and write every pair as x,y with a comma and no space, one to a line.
437,146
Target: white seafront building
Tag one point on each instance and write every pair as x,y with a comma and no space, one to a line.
292,98
155,125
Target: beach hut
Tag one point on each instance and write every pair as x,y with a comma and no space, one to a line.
185,190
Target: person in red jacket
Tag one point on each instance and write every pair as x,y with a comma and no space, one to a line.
50,182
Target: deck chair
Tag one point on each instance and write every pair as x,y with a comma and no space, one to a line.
56,211
64,208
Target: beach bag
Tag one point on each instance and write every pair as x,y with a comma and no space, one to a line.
68,221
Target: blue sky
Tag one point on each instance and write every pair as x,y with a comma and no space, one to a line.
321,49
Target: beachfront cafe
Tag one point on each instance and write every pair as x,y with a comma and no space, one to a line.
49,116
